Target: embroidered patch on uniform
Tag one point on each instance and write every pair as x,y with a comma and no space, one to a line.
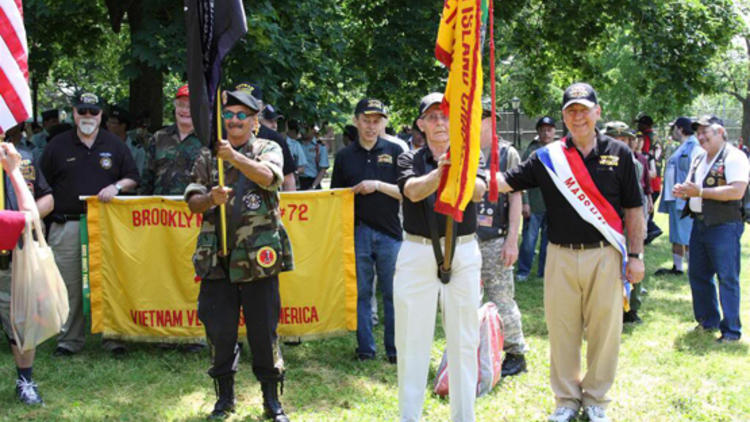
27,170
710,181
385,159
106,163
484,220
266,257
252,201
609,160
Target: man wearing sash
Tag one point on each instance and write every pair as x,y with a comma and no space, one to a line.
589,184
715,186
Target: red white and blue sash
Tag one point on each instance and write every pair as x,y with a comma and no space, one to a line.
572,179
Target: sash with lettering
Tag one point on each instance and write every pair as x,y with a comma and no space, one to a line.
572,179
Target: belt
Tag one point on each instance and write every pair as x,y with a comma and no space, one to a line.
427,241
583,246
62,218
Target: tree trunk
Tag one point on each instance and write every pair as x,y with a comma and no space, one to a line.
147,88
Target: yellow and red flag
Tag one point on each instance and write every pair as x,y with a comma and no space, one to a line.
459,47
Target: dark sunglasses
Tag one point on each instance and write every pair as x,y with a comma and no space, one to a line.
91,111
227,115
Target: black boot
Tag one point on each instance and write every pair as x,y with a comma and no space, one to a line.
224,386
513,365
271,405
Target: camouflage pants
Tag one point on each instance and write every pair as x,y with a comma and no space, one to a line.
499,288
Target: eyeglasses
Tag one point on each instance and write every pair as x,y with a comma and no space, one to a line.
227,115
434,117
86,110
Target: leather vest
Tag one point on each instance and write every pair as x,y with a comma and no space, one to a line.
717,212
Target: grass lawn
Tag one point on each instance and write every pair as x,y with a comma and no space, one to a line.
666,372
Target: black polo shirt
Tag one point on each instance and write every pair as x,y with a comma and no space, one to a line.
418,163
290,164
72,169
614,177
354,164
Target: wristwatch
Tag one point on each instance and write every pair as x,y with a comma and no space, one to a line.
118,187
636,255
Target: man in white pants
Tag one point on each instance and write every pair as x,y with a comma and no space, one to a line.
416,286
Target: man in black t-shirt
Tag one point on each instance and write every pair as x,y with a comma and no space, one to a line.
582,288
369,167
81,161
417,288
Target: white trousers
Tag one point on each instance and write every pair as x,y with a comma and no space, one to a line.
416,290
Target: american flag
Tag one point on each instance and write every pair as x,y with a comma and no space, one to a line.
15,98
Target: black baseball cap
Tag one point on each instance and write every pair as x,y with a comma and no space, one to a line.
683,123
122,115
50,114
241,97
644,119
270,113
429,100
87,100
253,89
579,93
707,120
370,106
546,120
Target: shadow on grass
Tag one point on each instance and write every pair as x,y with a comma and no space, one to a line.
701,343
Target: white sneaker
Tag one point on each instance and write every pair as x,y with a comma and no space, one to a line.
596,414
563,414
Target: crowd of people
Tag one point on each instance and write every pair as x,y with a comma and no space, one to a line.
588,199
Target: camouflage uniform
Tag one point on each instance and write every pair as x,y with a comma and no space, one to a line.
497,279
169,162
258,250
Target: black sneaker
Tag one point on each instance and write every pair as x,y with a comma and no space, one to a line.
513,365
669,271
27,392
360,357
727,340
62,352
631,317
392,359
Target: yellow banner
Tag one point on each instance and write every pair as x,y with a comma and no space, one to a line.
458,47
143,285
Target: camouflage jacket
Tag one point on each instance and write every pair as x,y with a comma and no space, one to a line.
169,162
257,242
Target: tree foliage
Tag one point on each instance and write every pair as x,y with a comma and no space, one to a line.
316,58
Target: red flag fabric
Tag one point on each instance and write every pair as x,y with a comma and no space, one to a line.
15,97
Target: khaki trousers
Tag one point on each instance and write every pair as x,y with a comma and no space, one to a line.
65,241
583,300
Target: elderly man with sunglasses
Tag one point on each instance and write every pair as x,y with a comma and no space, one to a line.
81,161
257,251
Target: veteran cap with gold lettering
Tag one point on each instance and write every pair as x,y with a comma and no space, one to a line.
370,106
579,93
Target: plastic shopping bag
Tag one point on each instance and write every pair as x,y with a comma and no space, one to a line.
489,354
38,298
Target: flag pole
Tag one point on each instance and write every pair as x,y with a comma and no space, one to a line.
220,165
3,253
448,244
